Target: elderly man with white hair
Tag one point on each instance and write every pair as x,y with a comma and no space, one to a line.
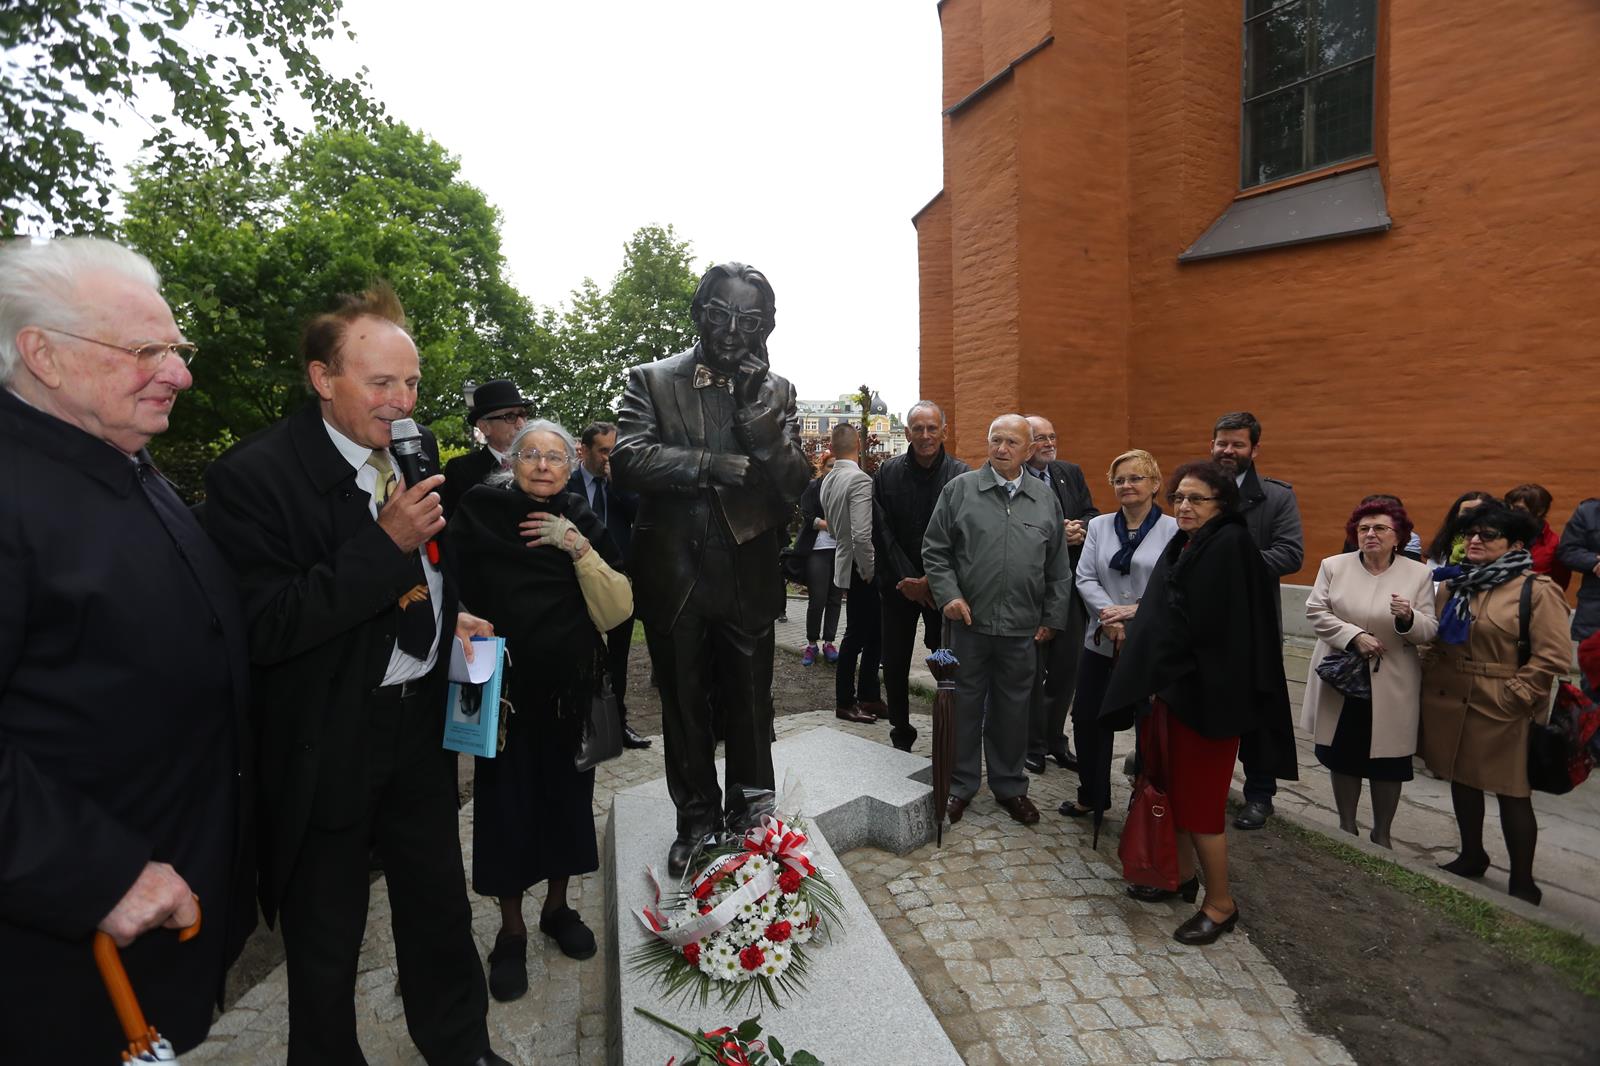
997,563
122,669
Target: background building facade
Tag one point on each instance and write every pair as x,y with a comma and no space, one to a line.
1122,242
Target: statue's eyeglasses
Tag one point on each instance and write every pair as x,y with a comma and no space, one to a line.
147,356
743,321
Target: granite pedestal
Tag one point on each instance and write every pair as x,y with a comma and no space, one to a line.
860,1004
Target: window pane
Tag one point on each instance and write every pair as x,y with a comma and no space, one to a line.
1346,30
1275,136
1343,114
1275,49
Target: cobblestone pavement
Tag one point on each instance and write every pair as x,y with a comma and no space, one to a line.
1020,938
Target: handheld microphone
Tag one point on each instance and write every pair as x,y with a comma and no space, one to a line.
405,442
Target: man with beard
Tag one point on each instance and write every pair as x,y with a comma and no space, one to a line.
710,441
498,410
907,487
1273,516
1057,675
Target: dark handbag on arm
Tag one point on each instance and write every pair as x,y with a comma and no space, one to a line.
1349,673
1149,845
601,738
1558,759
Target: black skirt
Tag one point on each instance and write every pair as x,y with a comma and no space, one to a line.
532,811
1351,750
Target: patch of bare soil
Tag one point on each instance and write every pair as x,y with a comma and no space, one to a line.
1392,978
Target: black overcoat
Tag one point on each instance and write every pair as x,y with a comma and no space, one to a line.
1206,641
122,730
462,473
320,580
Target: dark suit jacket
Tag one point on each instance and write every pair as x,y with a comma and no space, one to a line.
1072,492
123,707
810,510
662,455
463,472
624,506
320,582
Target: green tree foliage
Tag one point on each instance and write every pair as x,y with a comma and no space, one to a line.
642,317
247,257
72,65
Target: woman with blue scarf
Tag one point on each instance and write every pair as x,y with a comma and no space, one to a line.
1119,551
1480,691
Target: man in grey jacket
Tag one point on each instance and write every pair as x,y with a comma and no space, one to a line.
847,505
997,565
1273,517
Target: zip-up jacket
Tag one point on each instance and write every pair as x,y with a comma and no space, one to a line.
1006,557
904,495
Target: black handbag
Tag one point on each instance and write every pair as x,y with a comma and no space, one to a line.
792,563
1349,673
602,729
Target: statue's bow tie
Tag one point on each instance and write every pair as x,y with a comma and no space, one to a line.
705,378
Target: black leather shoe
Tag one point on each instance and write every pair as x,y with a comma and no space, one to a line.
631,739
1202,930
488,1058
1252,815
508,968
1148,894
568,931
1072,810
686,850
1034,764
904,740
956,808
1065,759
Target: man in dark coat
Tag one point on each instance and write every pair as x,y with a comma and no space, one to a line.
710,441
1057,675
350,635
905,490
123,672
498,410
615,508
1273,517
1579,549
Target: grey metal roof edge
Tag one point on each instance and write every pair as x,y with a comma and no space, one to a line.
1267,212
1003,75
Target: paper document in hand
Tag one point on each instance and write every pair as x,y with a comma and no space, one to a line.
480,669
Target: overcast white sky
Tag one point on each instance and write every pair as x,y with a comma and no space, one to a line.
797,137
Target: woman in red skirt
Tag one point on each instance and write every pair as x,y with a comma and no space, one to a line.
1205,649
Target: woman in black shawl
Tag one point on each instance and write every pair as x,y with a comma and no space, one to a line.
1205,648
520,546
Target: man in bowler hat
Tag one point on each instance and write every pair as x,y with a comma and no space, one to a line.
498,409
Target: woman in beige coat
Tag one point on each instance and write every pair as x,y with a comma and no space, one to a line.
1376,602
1479,696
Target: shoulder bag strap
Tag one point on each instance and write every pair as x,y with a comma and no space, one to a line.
1524,616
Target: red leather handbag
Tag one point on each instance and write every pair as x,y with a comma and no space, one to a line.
1149,845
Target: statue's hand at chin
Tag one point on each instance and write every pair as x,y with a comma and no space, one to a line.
748,379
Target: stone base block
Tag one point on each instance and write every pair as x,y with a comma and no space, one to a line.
860,1004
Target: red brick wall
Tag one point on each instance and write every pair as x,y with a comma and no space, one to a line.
1456,351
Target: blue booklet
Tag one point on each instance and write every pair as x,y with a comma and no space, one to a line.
472,705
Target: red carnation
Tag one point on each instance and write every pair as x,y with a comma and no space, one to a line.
788,881
691,953
752,958
778,932
705,908
814,920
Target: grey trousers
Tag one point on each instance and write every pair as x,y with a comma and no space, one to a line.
1054,683
994,686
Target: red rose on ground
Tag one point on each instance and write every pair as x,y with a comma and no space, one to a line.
705,908
752,957
778,932
788,881
691,953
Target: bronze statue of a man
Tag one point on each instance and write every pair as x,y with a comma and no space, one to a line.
709,440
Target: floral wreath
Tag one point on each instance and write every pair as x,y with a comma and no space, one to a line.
742,928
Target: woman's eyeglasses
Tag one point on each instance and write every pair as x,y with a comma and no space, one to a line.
533,455
1130,479
1178,499
1484,535
1379,530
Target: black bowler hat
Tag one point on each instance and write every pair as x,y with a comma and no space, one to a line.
494,395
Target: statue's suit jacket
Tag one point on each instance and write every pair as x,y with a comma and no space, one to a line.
662,454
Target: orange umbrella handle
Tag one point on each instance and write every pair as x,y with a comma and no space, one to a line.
140,1033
